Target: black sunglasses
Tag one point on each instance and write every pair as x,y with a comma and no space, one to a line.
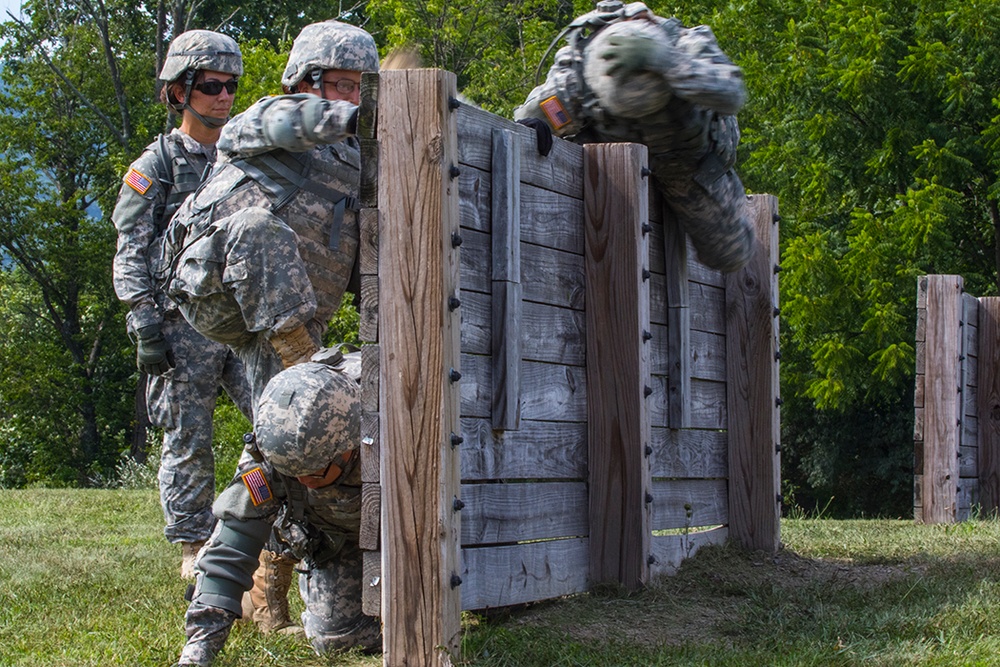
215,87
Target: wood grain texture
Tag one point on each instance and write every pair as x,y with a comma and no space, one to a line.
989,403
419,346
753,388
617,287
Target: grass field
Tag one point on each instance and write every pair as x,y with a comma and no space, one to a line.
87,579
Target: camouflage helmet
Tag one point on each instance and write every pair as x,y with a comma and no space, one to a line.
201,50
330,45
308,415
623,88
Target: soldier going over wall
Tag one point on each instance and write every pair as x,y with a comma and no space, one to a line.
182,370
627,75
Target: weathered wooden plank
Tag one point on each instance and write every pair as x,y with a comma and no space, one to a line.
369,377
538,450
548,276
678,323
371,512
548,219
988,396
707,304
559,171
509,513
708,354
506,209
753,387
707,398
689,453
368,245
368,312
371,583
669,551
968,462
370,463
503,576
506,357
548,391
419,344
547,333
942,400
616,204
918,391
689,503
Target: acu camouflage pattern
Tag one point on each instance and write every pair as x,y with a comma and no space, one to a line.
247,265
182,401
680,101
330,583
330,45
201,50
307,417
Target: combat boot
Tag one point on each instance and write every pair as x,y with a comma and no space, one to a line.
269,596
294,347
189,554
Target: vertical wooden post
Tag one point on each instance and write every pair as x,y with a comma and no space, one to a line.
618,368
752,387
506,288
942,404
989,404
678,322
419,369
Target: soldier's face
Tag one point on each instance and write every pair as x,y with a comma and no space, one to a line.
321,478
341,84
218,105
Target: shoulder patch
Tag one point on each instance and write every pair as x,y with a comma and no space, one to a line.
555,112
138,181
256,483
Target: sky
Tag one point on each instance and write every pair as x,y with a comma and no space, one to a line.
12,6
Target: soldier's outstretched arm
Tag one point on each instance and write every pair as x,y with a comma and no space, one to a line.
295,123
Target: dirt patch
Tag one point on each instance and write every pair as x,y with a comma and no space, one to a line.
707,601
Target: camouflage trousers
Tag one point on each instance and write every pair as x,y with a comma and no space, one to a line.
332,594
242,282
182,403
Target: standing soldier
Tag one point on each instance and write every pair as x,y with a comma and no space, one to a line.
183,370
261,256
629,75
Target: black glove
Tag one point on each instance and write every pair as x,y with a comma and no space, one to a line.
153,355
543,134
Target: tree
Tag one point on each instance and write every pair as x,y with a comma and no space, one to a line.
875,125
76,96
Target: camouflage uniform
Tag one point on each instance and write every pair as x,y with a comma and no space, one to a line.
265,257
308,417
260,259
628,75
182,400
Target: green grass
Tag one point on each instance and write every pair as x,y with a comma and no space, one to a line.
87,579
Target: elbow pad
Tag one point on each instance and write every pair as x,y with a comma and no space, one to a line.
228,562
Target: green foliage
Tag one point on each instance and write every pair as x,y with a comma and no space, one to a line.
493,48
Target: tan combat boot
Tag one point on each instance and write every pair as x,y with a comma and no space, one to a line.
294,347
269,596
189,554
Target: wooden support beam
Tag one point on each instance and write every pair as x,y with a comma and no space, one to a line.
678,323
616,206
989,404
418,203
942,399
752,387
506,288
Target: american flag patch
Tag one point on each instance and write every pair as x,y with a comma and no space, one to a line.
555,112
256,484
138,181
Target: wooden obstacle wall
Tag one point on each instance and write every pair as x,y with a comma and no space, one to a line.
553,393
956,428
